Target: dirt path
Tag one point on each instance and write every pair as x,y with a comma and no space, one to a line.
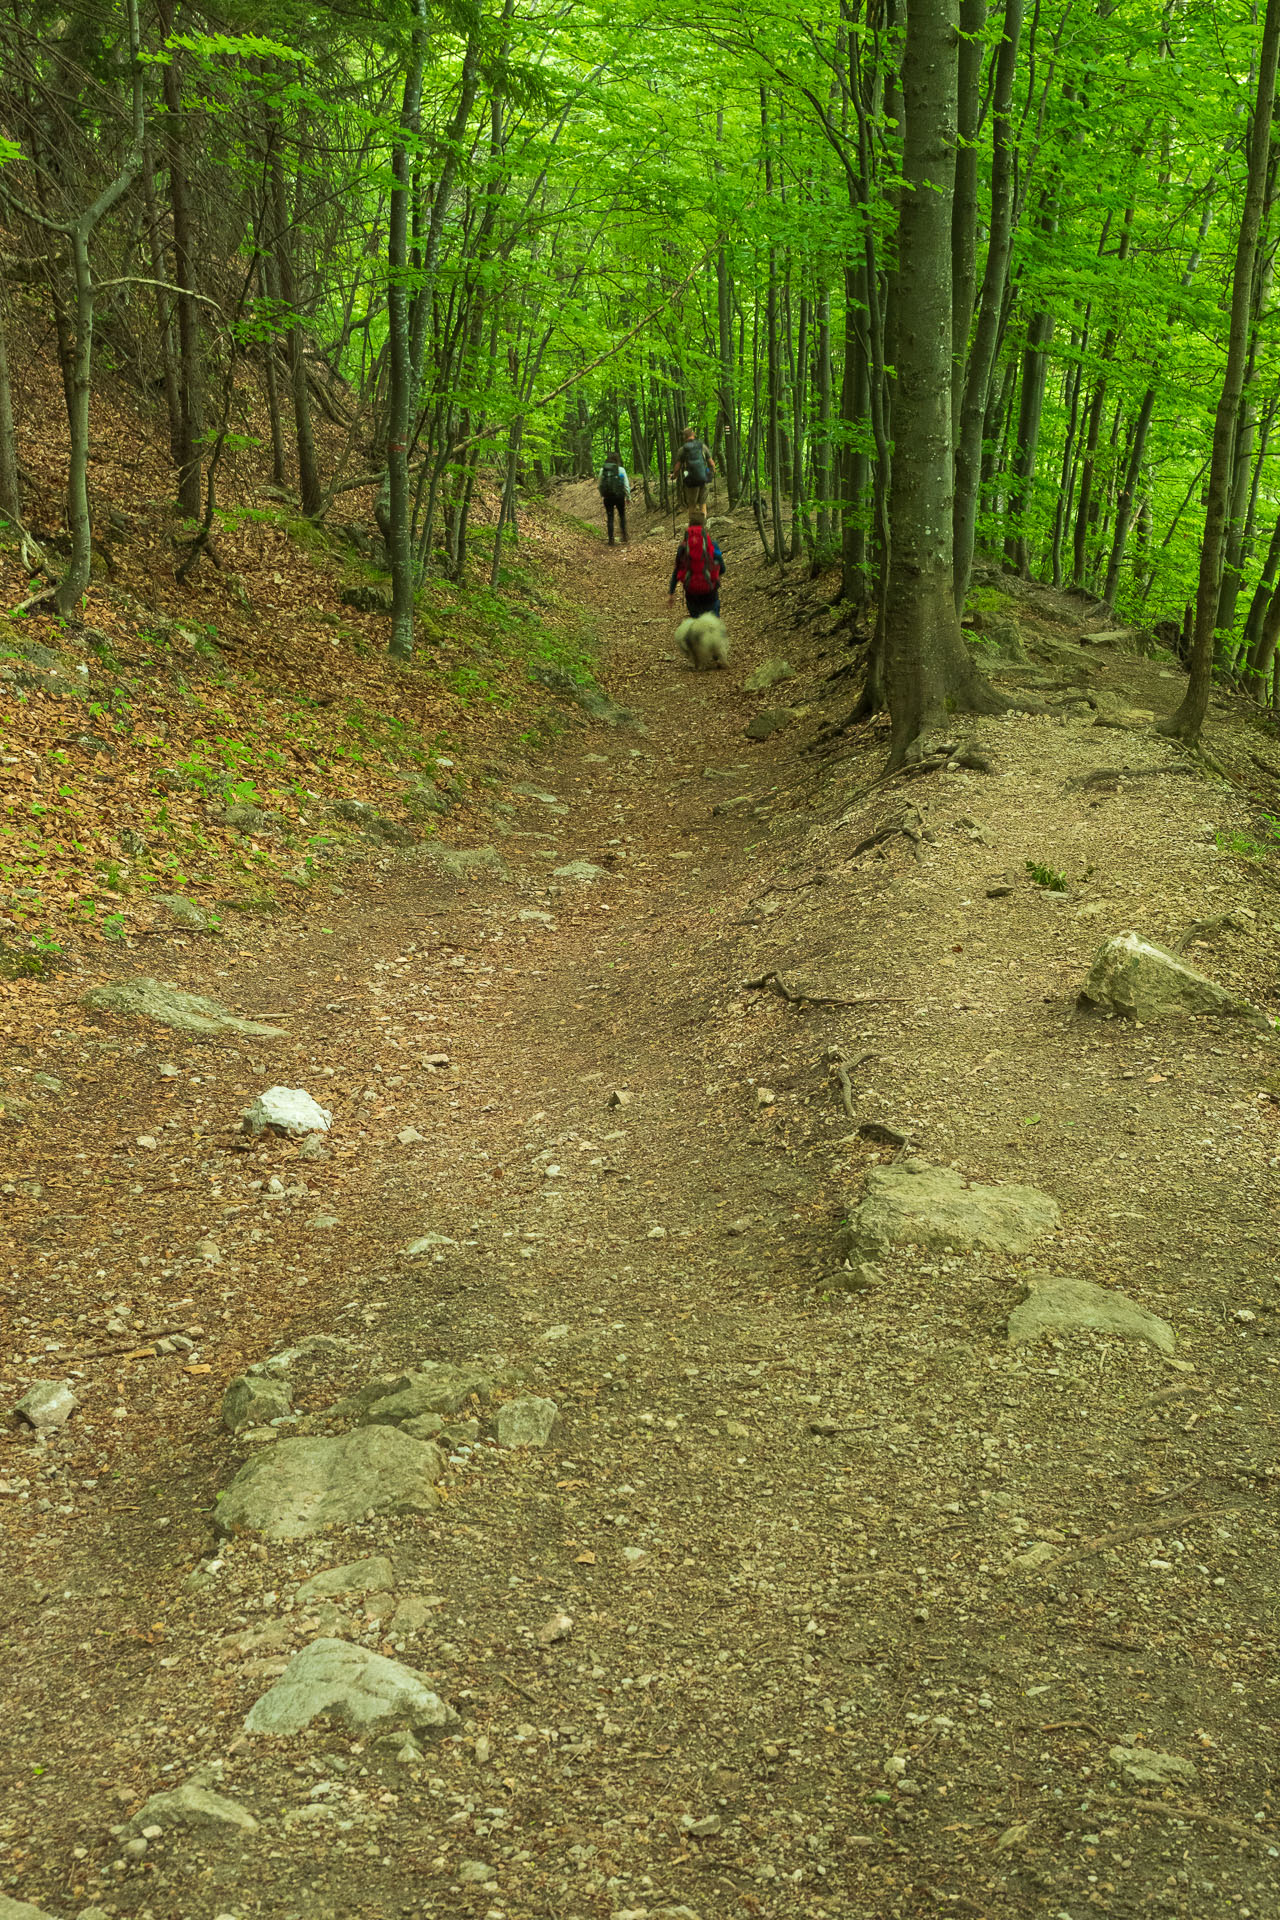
809,1671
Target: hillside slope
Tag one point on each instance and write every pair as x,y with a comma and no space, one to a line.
822,1597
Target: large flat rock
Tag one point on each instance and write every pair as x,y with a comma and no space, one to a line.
298,1487
171,1007
1133,977
331,1679
1058,1304
913,1203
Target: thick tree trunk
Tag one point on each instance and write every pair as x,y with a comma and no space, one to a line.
977,376
1187,722
928,670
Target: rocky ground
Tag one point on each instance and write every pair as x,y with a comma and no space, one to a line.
636,1499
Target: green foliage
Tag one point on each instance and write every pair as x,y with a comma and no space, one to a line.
1047,877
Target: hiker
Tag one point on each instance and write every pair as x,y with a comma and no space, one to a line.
615,491
694,467
699,565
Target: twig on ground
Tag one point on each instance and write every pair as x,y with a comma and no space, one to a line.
1116,1537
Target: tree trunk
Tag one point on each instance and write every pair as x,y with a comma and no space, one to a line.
399,529
964,212
1035,368
1124,505
189,451
928,670
1187,722
822,456
10,478
309,492
977,377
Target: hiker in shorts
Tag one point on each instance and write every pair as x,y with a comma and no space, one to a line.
694,468
699,565
615,491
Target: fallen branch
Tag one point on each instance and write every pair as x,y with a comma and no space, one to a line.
1141,1529
1173,1810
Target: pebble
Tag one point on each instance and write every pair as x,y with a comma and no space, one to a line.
765,1096
657,1233
557,1628
409,1136
475,1873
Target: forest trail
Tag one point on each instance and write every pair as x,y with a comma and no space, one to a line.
862,1597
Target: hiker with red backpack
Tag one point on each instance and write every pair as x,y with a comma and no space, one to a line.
698,568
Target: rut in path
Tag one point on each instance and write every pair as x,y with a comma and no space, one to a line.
807,1671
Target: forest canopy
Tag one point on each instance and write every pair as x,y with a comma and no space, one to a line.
1001,267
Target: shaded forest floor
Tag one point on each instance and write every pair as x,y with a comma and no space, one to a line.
813,1666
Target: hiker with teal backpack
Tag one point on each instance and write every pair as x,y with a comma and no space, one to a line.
694,468
699,565
615,491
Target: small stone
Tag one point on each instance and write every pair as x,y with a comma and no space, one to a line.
210,1252
557,1628
411,1616
620,1097
252,1400
656,1233
287,1110
474,1873
737,1430
46,1404
427,1243
770,720
912,1202
21,1910
185,912
710,1823
192,1806
583,871
170,1007
313,1148
1038,1554
527,1422
298,1487
737,1228
409,1136
332,1679
1056,1303
482,1750
147,1141
824,1428
437,1387
770,673
457,863
374,1575
425,1426
1147,1767
1136,979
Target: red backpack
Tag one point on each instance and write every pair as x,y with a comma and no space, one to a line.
702,569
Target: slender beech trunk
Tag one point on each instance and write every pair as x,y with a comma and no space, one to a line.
164,322
188,453
1186,724
822,452
995,277
400,537
773,431
75,580
1035,368
928,669
10,478
1128,491
309,492
1261,597
964,212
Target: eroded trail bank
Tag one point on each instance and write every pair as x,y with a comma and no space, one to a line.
822,1597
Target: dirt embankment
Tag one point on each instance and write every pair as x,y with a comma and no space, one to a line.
865,1602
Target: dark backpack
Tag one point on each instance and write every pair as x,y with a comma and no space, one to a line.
611,486
703,569
693,464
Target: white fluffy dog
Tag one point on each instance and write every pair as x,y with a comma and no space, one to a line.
705,642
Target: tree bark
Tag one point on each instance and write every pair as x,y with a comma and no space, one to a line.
399,532
10,478
1186,724
928,670
977,376
188,452
964,213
